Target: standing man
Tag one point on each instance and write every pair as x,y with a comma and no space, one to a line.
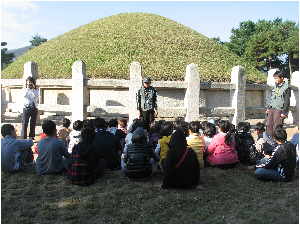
279,103
147,103
31,96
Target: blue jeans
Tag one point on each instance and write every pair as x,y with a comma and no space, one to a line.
268,174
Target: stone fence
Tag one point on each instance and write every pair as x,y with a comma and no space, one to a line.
80,98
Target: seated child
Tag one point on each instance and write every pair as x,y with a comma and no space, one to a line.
122,125
135,124
53,154
202,128
119,134
196,142
14,153
221,150
86,166
281,165
209,133
295,141
182,165
245,144
163,143
43,135
154,132
65,131
140,159
88,123
74,137
128,140
107,145
265,144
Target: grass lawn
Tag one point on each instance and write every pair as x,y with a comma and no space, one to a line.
231,196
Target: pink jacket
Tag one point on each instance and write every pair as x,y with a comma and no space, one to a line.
219,152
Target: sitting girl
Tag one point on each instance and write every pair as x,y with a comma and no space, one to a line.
221,150
163,143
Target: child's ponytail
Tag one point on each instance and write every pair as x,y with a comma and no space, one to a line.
228,128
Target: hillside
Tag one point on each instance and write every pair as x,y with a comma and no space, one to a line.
108,46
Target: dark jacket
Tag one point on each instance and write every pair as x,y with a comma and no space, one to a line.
137,157
108,147
245,147
282,160
187,174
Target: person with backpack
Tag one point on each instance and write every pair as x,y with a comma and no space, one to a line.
182,165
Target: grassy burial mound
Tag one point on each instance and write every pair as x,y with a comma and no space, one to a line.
108,46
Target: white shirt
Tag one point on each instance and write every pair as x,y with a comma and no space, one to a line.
30,95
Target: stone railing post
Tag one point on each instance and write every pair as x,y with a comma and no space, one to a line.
238,96
79,91
31,70
134,85
3,109
293,115
192,94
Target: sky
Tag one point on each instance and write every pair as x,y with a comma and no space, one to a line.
22,20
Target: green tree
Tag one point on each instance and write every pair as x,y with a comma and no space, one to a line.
6,58
266,42
241,36
217,39
290,47
264,47
37,40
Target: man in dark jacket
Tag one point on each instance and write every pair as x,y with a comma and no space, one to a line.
147,103
279,103
281,165
182,164
107,144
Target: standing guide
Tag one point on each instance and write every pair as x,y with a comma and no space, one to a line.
279,103
147,103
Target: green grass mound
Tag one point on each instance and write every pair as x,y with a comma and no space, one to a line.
108,46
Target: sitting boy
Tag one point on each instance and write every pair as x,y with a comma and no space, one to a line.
65,131
51,152
14,153
86,165
196,142
281,165
74,136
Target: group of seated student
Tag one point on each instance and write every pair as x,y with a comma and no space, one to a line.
178,149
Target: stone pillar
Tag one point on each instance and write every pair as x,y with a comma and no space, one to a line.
30,70
191,99
238,96
293,114
134,85
3,108
79,91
